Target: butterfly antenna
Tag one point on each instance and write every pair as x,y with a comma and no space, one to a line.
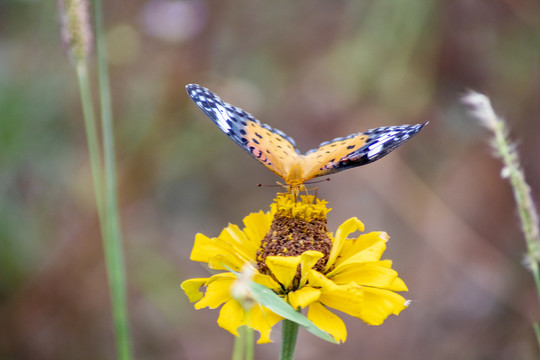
317,181
278,184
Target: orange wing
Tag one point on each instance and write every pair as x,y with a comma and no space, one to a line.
272,149
269,146
356,149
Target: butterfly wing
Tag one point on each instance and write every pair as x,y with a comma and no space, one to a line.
356,149
269,146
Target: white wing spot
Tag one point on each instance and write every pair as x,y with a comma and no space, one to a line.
377,147
373,152
221,117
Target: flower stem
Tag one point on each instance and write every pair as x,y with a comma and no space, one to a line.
249,343
289,334
239,344
243,344
114,255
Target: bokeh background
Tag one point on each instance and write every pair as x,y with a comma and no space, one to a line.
316,69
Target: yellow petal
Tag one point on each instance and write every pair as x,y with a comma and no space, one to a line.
367,274
325,320
216,253
256,227
231,316
346,298
204,248
398,285
379,304
191,288
267,281
262,320
316,279
308,259
283,268
363,242
221,276
303,297
241,246
217,291
385,263
370,254
343,231
226,262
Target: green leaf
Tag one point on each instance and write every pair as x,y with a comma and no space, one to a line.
272,301
269,299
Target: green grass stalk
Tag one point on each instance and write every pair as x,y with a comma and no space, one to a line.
77,37
114,254
506,150
94,149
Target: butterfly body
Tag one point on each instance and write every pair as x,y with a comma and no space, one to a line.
278,152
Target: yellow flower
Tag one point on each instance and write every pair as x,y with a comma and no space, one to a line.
295,256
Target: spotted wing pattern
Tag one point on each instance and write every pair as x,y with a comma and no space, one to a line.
278,152
357,149
270,146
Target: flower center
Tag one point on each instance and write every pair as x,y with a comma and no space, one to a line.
296,228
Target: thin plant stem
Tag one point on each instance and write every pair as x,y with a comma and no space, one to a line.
537,331
289,335
534,270
239,344
94,149
506,150
522,195
249,342
243,344
114,255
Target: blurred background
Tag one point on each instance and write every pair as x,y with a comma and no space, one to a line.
317,70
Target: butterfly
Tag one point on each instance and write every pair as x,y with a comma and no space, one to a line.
278,152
